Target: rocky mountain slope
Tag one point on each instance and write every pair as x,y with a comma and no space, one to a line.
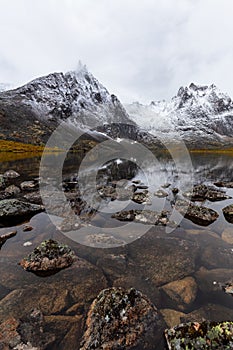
30,113
202,116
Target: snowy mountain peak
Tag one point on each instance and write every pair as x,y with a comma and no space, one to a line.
76,96
197,112
209,97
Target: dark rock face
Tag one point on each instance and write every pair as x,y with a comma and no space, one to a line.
45,102
204,335
13,211
122,319
228,213
199,215
48,258
199,115
131,131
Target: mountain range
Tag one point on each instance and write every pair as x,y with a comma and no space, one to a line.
202,116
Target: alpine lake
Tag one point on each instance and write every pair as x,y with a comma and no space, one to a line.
178,264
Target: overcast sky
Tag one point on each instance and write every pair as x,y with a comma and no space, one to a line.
140,50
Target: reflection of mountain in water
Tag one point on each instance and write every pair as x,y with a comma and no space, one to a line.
203,167
212,167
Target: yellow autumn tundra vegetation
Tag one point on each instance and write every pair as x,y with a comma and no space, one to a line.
12,150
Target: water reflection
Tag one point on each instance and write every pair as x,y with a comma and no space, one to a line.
148,263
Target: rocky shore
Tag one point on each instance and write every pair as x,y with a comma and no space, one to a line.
153,291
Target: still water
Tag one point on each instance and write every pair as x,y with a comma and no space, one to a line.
144,257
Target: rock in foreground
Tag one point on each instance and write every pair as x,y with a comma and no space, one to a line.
203,192
200,336
228,213
14,211
48,258
122,319
5,237
199,215
26,333
147,217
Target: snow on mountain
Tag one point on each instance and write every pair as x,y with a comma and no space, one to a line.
76,96
32,112
196,114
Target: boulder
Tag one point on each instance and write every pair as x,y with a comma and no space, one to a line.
147,217
200,336
122,319
172,317
13,211
228,213
12,190
48,258
181,292
142,197
26,333
6,236
160,259
11,174
203,192
227,235
199,215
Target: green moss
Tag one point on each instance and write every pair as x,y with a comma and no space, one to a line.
201,336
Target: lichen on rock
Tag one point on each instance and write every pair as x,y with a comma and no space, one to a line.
199,336
122,319
48,258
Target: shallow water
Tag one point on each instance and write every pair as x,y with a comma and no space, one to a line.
147,263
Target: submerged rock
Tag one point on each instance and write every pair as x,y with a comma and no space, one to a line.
48,258
228,213
199,215
203,192
13,211
122,319
200,336
5,237
147,217
172,317
26,333
227,235
182,292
